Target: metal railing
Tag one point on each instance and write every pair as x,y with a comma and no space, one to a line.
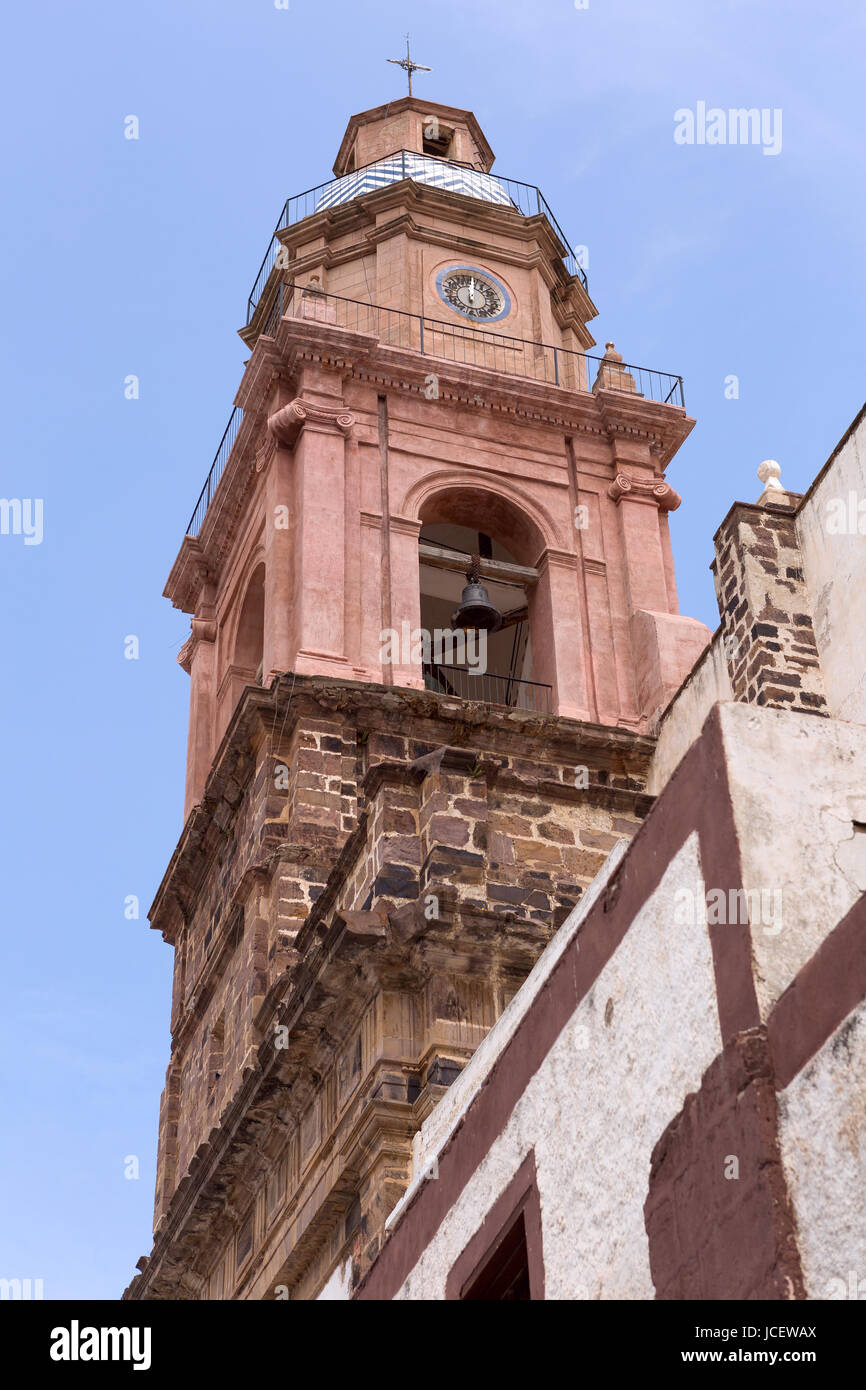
489,689
479,347
453,343
525,198
216,472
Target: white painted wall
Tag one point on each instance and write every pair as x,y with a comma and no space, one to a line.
597,1106
797,782
606,1092
339,1287
685,715
447,1114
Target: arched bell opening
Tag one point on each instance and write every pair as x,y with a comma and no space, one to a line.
475,598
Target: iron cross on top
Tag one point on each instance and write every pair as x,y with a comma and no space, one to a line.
409,66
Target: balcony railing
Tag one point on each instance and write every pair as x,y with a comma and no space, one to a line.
488,689
216,472
478,347
524,198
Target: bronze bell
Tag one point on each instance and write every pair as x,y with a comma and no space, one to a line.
476,610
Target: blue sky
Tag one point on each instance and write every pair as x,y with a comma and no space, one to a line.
136,257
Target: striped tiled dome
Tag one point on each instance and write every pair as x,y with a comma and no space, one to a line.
406,165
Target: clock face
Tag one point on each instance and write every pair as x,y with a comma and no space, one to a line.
474,293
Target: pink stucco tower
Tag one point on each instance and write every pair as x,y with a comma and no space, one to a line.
381,836
420,386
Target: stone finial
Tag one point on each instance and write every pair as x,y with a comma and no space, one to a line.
769,473
612,376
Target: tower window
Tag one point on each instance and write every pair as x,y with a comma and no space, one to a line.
438,141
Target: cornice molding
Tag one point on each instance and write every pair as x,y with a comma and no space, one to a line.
405,525
605,416
563,559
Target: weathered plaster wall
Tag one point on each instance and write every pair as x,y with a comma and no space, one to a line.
834,563
452,1106
615,1077
824,1152
706,1034
684,718
798,787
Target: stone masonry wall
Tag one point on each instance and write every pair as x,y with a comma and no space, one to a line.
422,855
766,611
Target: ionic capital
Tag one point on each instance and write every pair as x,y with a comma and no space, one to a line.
285,424
653,490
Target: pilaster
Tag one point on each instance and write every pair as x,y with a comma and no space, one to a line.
198,658
315,425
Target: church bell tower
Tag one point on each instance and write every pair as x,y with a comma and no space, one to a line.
433,622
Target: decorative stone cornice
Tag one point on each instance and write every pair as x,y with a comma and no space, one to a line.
405,525
286,424
651,490
599,415
564,559
189,573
